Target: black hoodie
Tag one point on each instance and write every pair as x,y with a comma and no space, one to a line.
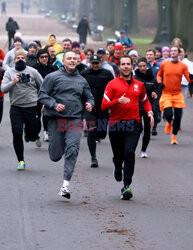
149,82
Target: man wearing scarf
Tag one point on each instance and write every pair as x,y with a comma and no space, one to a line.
22,82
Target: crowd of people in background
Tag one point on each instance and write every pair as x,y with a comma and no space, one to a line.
158,83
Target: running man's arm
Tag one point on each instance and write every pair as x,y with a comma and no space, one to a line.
186,74
87,95
160,74
7,83
108,102
144,100
44,93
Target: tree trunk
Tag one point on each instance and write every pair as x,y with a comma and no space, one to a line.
183,23
157,38
173,14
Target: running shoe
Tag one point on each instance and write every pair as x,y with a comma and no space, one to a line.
94,163
45,138
65,192
118,174
143,154
38,143
168,128
173,140
154,131
126,193
21,165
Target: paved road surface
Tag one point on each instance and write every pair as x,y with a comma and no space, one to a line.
159,216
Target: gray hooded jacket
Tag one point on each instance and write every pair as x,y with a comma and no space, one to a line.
71,90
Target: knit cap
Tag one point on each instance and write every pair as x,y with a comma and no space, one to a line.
32,44
142,59
118,46
133,52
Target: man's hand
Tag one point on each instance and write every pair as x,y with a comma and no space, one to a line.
124,99
16,78
154,95
88,106
60,107
150,115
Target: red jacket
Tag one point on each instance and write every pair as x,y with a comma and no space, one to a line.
130,111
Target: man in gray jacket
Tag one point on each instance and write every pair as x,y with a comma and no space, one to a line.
22,82
65,94
9,61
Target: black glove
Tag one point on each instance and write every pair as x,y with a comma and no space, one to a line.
162,86
191,76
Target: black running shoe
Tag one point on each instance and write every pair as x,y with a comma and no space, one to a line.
118,174
154,132
94,163
126,193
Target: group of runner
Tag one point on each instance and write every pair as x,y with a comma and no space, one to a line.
113,89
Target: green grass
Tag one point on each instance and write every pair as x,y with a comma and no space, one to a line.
138,41
135,40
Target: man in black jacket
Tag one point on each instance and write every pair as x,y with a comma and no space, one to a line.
83,29
44,67
62,94
32,55
97,120
11,27
145,75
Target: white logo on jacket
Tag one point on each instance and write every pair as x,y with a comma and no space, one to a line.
136,87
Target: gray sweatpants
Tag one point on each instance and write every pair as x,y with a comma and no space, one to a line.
65,143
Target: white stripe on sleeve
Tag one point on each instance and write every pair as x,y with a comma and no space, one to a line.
144,98
106,97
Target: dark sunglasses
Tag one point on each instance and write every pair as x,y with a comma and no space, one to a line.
43,57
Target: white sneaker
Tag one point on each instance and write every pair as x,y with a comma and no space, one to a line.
38,143
65,192
143,154
45,138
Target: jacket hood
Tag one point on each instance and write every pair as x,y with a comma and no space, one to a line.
49,39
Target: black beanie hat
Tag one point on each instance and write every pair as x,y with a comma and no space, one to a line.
158,48
42,51
142,59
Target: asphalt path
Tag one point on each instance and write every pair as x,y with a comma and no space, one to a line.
159,216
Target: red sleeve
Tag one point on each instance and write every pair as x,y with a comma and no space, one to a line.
107,102
2,54
144,100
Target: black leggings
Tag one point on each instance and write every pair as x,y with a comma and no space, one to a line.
146,129
168,114
97,129
24,116
1,109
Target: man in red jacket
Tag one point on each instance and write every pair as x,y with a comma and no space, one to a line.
122,98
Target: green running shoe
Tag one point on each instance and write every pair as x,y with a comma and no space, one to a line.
21,165
126,193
